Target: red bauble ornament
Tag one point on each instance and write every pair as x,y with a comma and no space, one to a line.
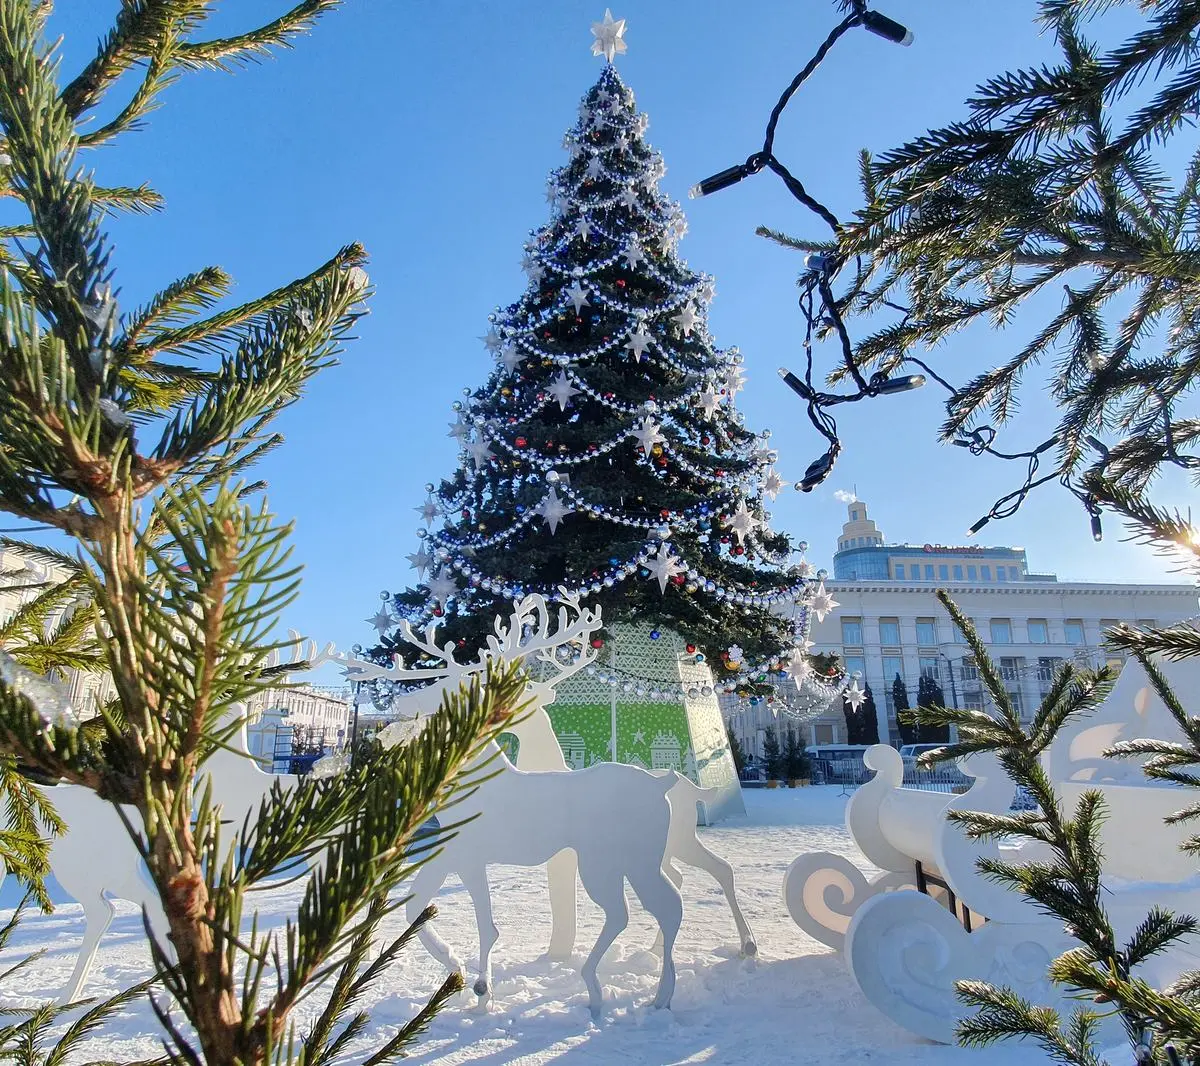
678,579
724,655
665,513
438,612
621,283
662,460
520,442
691,649
597,642
739,550
720,473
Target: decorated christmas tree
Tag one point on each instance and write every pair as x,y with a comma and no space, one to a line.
604,456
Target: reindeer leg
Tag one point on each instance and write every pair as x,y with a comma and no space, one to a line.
425,885
676,878
560,874
476,883
661,898
98,914
607,889
694,853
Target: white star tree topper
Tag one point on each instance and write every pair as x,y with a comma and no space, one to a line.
609,36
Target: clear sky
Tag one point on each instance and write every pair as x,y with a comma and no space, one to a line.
426,130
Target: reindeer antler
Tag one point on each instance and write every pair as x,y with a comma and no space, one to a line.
308,659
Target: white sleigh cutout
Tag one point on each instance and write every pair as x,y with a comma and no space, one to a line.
906,949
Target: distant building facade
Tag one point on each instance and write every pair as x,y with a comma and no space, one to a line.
888,623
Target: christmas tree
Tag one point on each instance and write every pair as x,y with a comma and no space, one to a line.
604,455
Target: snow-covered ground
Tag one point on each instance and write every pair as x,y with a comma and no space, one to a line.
795,1003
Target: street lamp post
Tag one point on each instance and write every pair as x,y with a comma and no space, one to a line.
354,688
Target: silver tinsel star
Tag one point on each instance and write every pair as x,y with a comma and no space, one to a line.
686,319
533,269
382,621
735,380
553,510
583,228
459,430
772,483
822,602
798,667
648,434
708,291
512,357
578,296
594,168
634,253
664,566
638,341
428,510
479,451
629,198
420,560
709,402
609,36
442,587
562,390
854,695
491,340
742,521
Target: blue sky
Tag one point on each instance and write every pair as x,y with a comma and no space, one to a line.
426,130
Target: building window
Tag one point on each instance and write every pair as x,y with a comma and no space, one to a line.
926,632
1073,631
852,632
1000,574
823,733
855,664
889,631
985,573
1001,629
970,672
973,701
1106,624
1010,670
956,635
899,571
971,573
1046,669
943,572
958,573
929,666
892,665
1013,574
1038,631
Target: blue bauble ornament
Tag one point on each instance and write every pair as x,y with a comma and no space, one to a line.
699,656
655,634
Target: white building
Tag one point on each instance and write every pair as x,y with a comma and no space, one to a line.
317,715
888,622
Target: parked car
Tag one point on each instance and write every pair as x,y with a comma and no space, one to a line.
911,752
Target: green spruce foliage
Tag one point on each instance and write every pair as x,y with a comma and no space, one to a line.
772,756
606,441
131,434
1101,972
1060,207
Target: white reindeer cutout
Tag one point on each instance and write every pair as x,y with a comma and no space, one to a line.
528,635
94,858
